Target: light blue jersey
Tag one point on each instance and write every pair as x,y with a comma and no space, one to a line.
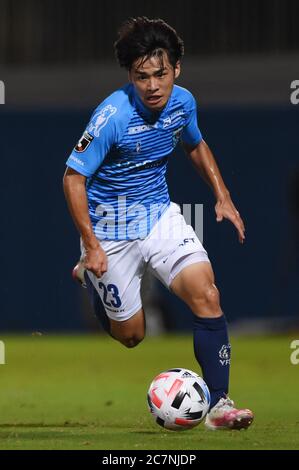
124,152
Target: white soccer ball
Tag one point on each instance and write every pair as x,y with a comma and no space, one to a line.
178,399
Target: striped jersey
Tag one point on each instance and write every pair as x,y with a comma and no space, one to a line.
124,153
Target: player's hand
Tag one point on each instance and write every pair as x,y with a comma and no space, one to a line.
225,209
95,260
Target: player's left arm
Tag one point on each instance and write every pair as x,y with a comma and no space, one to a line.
205,163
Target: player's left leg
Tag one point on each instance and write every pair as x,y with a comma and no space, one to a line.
194,284
182,264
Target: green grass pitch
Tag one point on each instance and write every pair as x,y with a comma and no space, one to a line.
89,392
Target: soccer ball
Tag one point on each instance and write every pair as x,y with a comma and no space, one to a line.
178,399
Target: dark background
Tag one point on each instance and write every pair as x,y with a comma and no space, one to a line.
56,60
73,31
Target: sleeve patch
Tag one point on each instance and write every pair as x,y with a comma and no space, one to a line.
100,119
84,142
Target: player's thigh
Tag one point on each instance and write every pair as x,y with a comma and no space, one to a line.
129,332
172,246
119,287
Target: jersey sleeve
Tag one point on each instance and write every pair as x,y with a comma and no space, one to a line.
96,141
191,134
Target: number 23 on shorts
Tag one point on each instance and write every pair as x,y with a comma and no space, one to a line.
110,295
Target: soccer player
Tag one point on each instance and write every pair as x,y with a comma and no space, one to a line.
118,198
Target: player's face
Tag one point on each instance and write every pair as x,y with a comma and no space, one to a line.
153,80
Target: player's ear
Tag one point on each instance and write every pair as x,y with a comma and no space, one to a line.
177,69
130,76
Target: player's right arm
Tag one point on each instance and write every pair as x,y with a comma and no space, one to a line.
75,193
84,161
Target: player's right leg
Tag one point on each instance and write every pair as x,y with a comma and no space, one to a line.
115,297
129,332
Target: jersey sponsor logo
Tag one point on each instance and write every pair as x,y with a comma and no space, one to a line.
151,164
79,162
142,128
84,142
101,119
146,164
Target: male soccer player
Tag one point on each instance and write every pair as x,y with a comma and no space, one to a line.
117,195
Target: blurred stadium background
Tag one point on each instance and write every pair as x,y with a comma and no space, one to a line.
56,60
57,63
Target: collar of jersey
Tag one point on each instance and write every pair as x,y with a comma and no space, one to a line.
146,113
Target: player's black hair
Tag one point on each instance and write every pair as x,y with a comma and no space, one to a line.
143,38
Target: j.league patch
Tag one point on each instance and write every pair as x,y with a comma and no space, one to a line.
84,142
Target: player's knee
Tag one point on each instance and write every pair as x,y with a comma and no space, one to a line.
207,301
131,341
